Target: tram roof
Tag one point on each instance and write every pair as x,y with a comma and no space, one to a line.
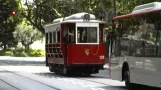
76,18
142,9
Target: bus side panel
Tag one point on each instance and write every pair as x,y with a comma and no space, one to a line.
146,71
115,68
86,54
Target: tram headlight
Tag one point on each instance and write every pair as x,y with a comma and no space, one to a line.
101,57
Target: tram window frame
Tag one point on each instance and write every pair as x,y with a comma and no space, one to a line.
101,35
87,32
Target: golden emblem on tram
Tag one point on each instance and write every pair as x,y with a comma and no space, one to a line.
86,51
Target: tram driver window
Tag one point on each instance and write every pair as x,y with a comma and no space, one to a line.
87,35
71,36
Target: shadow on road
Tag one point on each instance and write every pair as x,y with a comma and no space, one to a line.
75,75
114,87
137,87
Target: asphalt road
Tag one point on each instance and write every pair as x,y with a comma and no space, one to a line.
32,74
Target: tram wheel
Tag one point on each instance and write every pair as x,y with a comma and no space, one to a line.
87,74
51,69
61,70
65,71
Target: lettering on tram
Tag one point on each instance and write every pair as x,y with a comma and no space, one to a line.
74,44
136,46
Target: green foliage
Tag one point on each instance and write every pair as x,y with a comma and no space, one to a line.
126,6
41,12
20,52
8,21
24,32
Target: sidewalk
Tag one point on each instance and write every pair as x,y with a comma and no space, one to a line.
36,59
31,59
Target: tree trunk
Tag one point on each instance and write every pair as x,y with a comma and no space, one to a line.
4,46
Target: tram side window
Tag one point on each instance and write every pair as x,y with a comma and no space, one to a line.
50,37
101,35
58,36
54,37
46,38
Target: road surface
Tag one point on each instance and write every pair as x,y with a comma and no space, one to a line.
32,74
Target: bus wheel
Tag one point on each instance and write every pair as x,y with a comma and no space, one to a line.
87,74
129,85
127,79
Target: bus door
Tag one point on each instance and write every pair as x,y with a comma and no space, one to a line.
114,56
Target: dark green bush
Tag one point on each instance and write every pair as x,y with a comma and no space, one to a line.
20,52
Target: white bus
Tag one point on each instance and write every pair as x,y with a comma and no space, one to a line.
135,54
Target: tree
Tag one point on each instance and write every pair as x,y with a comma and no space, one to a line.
8,21
41,12
127,6
27,35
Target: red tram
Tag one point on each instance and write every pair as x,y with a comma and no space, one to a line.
75,44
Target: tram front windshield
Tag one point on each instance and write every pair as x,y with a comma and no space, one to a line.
87,35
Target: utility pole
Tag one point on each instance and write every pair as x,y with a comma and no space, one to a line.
114,7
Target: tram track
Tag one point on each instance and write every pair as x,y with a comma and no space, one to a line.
52,75
75,77
9,84
94,81
54,88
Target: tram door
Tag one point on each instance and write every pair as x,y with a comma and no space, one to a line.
69,39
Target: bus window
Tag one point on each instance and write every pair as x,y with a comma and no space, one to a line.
139,35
